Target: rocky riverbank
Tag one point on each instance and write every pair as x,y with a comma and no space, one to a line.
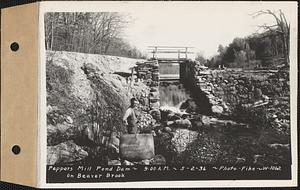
230,117
237,93
86,102
245,110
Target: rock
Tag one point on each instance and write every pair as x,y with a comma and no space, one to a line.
171,111
226,108
168,129
159,132
114,163
205,120
139,163
69,120
189,105
197,124
240,160
217,109
155,76
183,123
241,82
156,114
182,138
243,96
145,162
158,160
256,158
257,93
66,152
127,163
153,133
154,84
153,100
60,133
265,98
153,89
276,120
89,133
154,95
145,123
48,108
278,145
113,145
276,102
154,105
285,126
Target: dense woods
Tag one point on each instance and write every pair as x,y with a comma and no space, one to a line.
268,47
96,33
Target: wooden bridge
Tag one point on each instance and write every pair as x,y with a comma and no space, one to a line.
169,68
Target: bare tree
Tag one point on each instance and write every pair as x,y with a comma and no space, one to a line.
50,26
89,32
105,27
281,28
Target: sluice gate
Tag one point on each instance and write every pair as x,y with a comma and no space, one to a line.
170,60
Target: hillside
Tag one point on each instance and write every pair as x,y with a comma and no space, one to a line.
83,91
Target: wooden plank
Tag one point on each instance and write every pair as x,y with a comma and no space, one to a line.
168,59
171,47
182,52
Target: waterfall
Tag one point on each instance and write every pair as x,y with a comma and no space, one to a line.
172,94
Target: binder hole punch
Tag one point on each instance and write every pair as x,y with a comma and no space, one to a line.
14,46
16,149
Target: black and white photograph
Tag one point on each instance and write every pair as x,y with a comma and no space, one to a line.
169,91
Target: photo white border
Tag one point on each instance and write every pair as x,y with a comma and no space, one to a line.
123,6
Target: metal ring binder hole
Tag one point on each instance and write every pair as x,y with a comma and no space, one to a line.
14,46
16,149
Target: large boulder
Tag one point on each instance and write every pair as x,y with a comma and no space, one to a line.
182,138
66,152
183,123
83,90
158,160
156,114
217,109
61,132
114,163
113,145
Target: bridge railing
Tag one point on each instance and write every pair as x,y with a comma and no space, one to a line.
179,50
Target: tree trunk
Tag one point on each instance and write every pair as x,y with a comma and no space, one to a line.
52,30
285,48
288,47
106,47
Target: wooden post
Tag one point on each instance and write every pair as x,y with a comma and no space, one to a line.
130,86
186,49
52,35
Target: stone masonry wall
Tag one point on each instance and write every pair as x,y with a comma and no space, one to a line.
226,89
148,72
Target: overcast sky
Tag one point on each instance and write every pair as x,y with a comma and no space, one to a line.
202,25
